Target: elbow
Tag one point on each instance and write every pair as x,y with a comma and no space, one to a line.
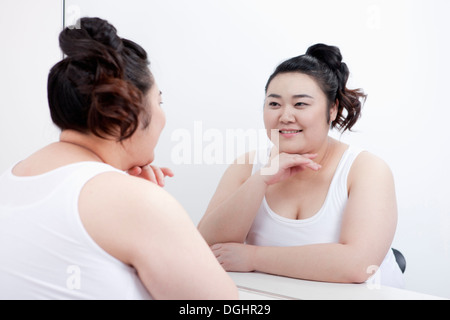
206,233
359,266
209,240
360,273
357,278
201,228
215,236
352,277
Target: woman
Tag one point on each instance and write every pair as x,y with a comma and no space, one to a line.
73,224
317,208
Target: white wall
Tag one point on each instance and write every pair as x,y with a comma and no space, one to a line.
29,48
212,60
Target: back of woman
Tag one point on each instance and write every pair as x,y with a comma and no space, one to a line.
74,222
45,251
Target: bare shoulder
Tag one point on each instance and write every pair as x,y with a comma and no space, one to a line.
369,163
116,188
369,167
117,211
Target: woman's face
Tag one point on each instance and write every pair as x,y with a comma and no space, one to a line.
295,113
142,144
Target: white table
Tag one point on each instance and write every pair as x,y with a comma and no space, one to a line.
259,286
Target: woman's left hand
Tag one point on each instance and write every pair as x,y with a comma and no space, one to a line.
151,173
234,257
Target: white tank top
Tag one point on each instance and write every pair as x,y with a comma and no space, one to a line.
271,229
45,252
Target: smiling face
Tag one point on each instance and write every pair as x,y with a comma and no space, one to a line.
296,110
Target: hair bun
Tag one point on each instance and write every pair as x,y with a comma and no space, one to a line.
91,33
103,32
332,57
100,87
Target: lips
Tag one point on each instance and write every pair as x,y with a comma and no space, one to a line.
290,131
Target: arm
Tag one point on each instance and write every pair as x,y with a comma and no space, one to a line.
233,207
368,229
143,226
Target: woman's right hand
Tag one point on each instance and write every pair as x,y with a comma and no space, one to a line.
151,173
285,165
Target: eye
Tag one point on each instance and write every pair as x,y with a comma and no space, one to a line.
274,105
160,99
300,105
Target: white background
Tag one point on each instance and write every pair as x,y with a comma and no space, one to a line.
212,59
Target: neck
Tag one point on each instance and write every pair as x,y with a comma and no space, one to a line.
95,148
325,152
324,156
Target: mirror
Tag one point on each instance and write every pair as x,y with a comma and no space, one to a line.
212,59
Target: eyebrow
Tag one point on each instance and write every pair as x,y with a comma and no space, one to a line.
277,96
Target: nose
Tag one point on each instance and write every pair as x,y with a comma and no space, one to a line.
287,116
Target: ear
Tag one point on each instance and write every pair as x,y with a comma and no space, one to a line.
334,111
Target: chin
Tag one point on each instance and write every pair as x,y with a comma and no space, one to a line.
151,156
150,159
144,161
292,149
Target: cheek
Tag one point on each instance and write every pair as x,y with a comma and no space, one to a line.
269,123
160,123
157,125
316,118
158,119
270,118
163,120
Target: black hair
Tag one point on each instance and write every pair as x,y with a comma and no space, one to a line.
324,64
100,86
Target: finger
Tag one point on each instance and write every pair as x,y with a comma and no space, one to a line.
135,171
301,162
167,172
296,160
159,176
310,155
314,166
306,160
149,174
217,254
311,165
